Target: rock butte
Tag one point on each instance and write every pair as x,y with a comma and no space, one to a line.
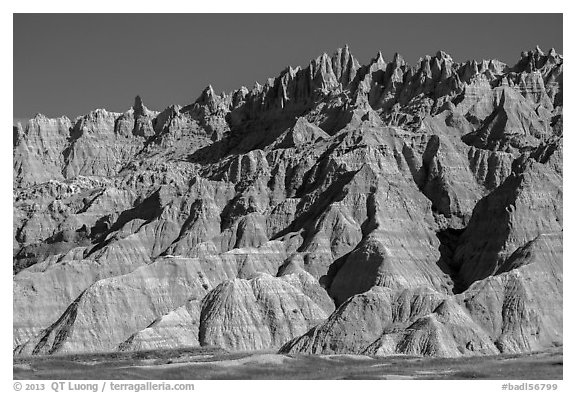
339,208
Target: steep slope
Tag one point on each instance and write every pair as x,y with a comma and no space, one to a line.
518,310
522,208
423,202
260,313
178,328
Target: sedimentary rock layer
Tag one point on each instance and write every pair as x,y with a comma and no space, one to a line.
337,208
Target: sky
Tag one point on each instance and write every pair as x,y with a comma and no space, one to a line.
70,64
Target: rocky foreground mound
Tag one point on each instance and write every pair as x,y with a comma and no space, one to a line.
338,208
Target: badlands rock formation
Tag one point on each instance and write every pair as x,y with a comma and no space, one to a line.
338,208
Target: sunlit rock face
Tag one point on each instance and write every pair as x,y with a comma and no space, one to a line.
373,209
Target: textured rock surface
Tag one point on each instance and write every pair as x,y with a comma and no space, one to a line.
337,208
178,328
263,312
518,310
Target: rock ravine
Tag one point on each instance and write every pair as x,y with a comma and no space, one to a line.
373,209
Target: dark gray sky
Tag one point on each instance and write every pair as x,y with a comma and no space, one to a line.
73,63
